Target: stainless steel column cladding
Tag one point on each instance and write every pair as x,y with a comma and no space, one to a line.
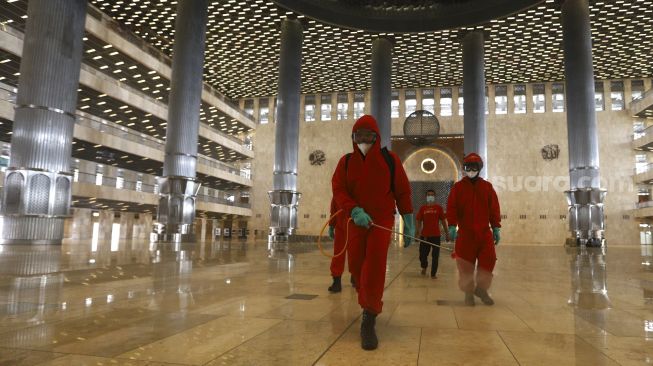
38,182
585,197
284,199
176,213
381,93
474,95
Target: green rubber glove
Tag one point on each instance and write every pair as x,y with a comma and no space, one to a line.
360,217
409,228
332,231
453,233
496,234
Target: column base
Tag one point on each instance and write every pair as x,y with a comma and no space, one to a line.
176,213
173,233
31,230
586,217
283,218
30,242
589,243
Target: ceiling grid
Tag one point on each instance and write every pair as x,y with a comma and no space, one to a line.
243,41
241,57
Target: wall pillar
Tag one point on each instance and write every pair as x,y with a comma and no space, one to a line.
176,212
474,95
38,180
284,198
381,93
585,197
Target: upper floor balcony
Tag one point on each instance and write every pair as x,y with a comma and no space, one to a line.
643,107
113,144
123,99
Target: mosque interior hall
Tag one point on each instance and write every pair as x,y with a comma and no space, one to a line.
326,182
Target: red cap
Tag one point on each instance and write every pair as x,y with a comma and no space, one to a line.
472,158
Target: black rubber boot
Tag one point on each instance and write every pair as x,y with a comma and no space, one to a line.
469,299
369,341
485,297
336,286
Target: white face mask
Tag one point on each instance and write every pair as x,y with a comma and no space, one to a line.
430,199
364,148
471,174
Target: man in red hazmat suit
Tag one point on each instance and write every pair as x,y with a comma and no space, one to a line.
337,233
474,207
367,185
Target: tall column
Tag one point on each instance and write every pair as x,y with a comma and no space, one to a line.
585,197
284,199
381,94
38,181
474,94
176,213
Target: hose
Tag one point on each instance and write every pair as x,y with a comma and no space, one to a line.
319,238
344,248
411,237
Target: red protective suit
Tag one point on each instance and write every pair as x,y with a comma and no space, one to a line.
339,238
474,207
366,184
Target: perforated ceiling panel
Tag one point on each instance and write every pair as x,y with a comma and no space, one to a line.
243,42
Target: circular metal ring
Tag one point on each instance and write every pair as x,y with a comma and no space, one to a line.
426,170
50,109
584,168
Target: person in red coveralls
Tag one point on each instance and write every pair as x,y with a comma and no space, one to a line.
428,221
337,233
473,206
367,185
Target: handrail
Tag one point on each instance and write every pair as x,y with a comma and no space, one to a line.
87,120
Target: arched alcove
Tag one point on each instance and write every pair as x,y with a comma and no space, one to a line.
430,168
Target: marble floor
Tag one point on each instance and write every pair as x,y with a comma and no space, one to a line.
227,303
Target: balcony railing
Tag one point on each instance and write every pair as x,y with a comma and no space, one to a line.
643,168
155,52
148,97
642,96
209,194
641,133
8,93
644,204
